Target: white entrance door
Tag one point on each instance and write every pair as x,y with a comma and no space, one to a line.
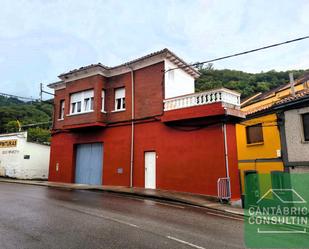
150,170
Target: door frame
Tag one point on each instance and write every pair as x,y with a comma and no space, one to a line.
73,172
144,168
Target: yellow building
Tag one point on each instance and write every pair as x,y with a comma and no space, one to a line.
258,136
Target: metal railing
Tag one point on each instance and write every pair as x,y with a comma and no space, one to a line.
203,98
224,188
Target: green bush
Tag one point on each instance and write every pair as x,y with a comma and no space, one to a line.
39,135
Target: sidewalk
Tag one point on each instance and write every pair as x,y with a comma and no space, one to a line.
187,198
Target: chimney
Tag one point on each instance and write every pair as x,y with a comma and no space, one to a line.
292,84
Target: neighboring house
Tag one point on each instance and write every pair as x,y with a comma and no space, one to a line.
140,124
258,145
274,136
22,159
294,126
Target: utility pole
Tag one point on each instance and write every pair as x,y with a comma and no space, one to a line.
41,91
292,84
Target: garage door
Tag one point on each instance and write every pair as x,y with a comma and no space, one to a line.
89,163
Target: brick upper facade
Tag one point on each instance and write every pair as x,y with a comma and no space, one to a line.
149,87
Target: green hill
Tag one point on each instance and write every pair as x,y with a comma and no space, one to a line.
246,83
27,113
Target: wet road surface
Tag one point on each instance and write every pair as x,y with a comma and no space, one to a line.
43,217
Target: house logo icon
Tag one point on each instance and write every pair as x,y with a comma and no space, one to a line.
284,196
282,211
277,211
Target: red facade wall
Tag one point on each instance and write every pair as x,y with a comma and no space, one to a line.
187,161
149,94
214,109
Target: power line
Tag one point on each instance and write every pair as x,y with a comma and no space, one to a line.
17,97
36,124
238,54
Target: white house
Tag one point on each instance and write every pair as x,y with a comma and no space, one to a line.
22,159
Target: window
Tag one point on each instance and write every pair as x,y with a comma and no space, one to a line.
254,134
120,103
82,102
61,109
306,126
103,101
88,104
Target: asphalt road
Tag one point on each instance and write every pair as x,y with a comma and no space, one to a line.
42,217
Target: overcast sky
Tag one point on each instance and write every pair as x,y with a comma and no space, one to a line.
39,39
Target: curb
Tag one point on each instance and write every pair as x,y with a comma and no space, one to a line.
130,192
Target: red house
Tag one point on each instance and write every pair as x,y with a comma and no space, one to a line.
140,124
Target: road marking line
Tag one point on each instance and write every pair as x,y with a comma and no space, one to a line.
109,218
185,242
120,221
225,216
95,214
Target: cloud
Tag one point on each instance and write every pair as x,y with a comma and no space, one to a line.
41,39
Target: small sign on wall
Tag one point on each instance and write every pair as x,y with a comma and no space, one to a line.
8,143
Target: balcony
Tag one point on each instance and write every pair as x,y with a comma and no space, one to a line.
218,102
204,98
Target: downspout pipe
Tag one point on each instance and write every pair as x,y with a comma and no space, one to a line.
226,156
132,128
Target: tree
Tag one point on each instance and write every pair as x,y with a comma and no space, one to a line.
246,83
13,126
25,112
39,135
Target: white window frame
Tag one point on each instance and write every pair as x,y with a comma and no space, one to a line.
103,101
61,109
120,97
82,101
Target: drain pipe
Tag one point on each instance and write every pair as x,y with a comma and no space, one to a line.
226,158
225,151
132,128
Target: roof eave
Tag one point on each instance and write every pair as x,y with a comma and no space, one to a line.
104,70
57,85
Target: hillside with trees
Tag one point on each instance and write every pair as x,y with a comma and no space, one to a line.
246,83
32,116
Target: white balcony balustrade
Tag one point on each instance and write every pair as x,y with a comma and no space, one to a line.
203,98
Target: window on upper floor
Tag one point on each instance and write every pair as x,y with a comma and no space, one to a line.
254,134
103,101
61,109
82,102
305,117
120,99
